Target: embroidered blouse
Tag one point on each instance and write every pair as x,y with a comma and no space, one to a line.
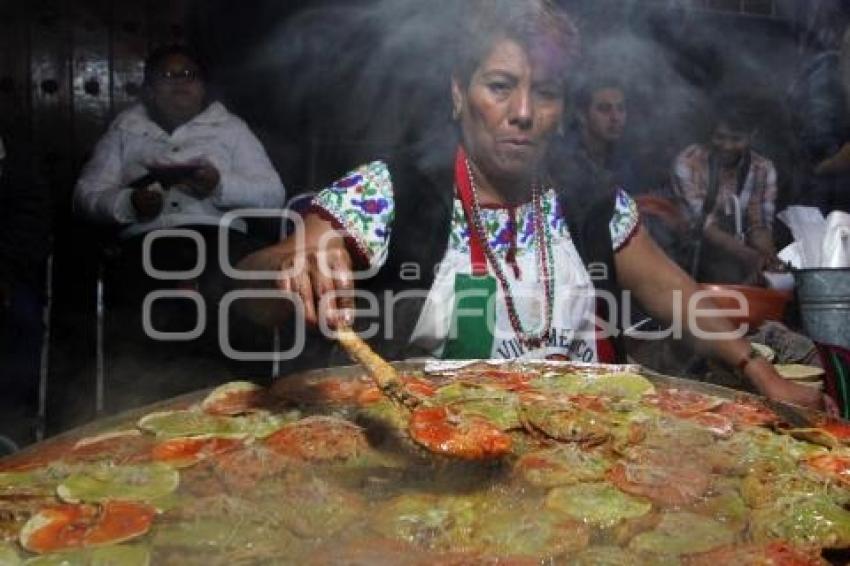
362,205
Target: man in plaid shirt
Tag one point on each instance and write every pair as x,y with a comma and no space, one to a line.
736,215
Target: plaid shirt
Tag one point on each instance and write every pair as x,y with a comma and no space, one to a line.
757,197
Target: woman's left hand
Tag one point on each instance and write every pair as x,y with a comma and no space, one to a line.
775,387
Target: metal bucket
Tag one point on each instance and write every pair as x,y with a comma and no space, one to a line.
824,299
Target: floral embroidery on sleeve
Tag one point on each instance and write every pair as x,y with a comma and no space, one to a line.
361,204
625,220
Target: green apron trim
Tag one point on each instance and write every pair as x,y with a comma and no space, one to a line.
471,335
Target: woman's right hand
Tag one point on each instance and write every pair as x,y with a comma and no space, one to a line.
319,272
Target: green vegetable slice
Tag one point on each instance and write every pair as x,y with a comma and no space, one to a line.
681,533
145,482
540,534
39,481
810,519
190,423
439,522
169,424
9,555
618,385
118,555
757,447
563,465
599,504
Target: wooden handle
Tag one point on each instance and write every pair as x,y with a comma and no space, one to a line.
381,371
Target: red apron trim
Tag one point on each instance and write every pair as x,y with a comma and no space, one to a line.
464,190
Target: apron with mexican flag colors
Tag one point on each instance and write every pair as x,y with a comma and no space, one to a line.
465,315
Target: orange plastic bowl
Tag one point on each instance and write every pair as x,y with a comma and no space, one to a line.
761,304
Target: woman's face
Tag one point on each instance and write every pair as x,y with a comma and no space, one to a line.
508,112
177,90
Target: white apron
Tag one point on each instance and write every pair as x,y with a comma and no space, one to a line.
572,333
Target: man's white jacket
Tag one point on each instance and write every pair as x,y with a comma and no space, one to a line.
134,141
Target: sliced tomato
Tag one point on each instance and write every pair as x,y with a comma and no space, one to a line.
681,403
719,425
834,466
419,386
414,385
65,527
328,391
590,402
511,380
319,438
666,486
837,428
368,396
37,457
242,469
747,413
15,511
183,452
784,554
444,432
120,447
235,398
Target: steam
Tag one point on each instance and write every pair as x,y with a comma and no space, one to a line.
367,77
674,62
376,74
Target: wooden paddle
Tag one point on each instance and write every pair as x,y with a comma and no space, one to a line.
382,372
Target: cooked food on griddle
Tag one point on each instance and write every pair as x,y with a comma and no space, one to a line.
602,466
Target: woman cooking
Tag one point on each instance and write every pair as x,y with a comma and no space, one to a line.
482,251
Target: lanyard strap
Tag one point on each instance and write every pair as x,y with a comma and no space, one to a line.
464,189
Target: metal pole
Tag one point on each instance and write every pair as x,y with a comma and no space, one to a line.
100,370
44,368
275,349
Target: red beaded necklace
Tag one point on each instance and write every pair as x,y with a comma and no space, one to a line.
531,339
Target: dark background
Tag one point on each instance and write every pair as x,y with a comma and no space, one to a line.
328,83
67,67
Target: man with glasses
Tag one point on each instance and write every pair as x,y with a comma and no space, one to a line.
177,160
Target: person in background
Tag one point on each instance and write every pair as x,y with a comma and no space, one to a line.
594,142
833,168
730,193
176,160
596,157
818,103
24,247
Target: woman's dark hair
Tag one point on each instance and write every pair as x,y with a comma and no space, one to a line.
545,30
156,59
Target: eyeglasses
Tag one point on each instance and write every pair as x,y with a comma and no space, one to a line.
187,75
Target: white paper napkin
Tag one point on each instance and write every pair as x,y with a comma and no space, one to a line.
808,227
